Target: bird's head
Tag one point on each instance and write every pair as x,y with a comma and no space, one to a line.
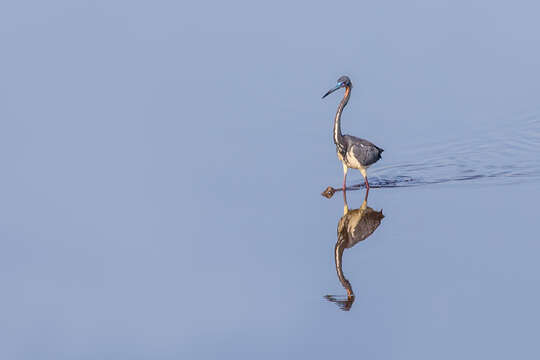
343,81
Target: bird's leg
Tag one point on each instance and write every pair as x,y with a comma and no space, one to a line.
344,188
367,186
364,174
345,169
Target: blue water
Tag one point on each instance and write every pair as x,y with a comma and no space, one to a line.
162,170
505,155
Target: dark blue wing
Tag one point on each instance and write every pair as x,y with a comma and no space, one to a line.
364,151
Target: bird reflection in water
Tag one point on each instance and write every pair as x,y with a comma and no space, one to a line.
354,226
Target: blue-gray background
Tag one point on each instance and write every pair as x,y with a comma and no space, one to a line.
162,163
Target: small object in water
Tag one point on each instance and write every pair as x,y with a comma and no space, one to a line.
328,192
354,153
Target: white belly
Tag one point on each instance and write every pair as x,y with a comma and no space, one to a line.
353,163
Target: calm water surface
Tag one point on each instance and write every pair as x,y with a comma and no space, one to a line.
163,168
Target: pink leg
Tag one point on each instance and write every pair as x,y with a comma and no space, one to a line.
367,186
345,187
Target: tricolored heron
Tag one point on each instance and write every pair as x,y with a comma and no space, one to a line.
354,153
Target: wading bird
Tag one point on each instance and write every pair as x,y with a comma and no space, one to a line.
354,153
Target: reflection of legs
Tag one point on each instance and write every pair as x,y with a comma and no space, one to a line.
365,199
364,174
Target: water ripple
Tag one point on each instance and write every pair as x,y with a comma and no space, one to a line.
507,155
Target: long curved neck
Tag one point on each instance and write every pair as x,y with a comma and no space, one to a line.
341,244
338,255
338,136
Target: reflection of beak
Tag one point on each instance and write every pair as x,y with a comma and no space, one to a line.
332,90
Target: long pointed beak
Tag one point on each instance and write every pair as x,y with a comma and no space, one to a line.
332,90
